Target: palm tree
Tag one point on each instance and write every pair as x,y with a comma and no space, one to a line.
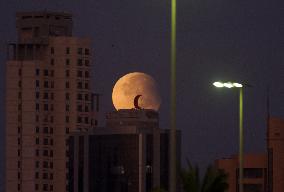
214,180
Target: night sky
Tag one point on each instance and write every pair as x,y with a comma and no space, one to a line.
216,40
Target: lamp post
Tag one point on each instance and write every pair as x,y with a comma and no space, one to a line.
173,164
241,128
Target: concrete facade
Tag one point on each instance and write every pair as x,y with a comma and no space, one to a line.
48,94
272,180
255,172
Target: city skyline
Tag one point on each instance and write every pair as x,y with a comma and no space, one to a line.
246,46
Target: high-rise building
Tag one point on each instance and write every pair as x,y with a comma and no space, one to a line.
48,94
130,154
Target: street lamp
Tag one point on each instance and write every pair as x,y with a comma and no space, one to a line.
173,159
241,128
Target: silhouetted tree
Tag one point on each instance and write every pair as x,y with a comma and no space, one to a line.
214,180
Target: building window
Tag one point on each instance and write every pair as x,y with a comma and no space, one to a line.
87,51
37,129
51,153
86,109
79,85
51,119
19,129
37,83
67,73
79,62
37,141
79,73
45,72
51,73
87,97
37,118
37,95
45,107
87,62
20,72
86,85
86,74
45,187
79,96
67,85
37,164
67,50
51,130
37,107
45,152
253,173
19,164
79,108
45,84
80,51
19,153
45,95
51,142
52,50
52,84
19,141
67,119
45,141
67,130
37,72
51,61
67,61
20,95
37,152
79,119
51,96
86,120
51,165
45,130
67,108
20,84
67,96
36,187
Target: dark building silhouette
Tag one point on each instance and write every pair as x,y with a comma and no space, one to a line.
130,154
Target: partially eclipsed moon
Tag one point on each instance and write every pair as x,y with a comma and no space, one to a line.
130,86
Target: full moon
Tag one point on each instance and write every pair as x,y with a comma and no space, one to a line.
136,85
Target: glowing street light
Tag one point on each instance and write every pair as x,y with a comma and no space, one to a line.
241,128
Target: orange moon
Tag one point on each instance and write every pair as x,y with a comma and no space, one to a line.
132,84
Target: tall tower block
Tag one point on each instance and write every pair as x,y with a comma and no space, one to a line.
48,94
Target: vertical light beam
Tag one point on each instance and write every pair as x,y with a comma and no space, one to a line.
173,163
241,148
